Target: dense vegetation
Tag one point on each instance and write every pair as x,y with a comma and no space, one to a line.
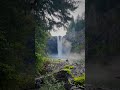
76,34
23,31
17,62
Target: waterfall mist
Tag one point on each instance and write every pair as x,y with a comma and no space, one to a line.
66,48
63,47
64,52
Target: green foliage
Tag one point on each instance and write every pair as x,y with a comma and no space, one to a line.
40,48
80,23
68,71
68,68
80,80
16,54
59,9
77,47
41,63
25,81
7,75
7,71
72,24
76,34
13,80
52,84
41,37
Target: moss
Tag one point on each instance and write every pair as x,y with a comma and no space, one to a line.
68,71
80,80
68,67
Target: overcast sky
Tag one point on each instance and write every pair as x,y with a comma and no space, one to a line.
79,11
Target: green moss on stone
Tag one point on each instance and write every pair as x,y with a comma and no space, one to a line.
80,80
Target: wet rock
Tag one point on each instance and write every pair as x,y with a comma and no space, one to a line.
72,87
39,82
62,76
67,86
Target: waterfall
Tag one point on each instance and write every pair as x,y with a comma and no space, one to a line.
59,46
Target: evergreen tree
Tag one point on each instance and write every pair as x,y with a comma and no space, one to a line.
21,23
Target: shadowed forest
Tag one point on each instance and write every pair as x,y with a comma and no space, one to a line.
102,44
25,27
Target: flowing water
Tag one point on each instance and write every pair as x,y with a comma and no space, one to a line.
59,46
63,48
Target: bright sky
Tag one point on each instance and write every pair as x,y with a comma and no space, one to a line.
79,11
59,32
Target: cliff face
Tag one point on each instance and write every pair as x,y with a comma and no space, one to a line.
52,45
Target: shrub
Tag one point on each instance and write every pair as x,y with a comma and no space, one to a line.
41,64
52,84
12,80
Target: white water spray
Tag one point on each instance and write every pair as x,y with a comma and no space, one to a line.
59,46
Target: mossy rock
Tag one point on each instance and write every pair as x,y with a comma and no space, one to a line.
62,75
67,70
68,67
80,80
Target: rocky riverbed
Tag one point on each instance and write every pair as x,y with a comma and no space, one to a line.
56,67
